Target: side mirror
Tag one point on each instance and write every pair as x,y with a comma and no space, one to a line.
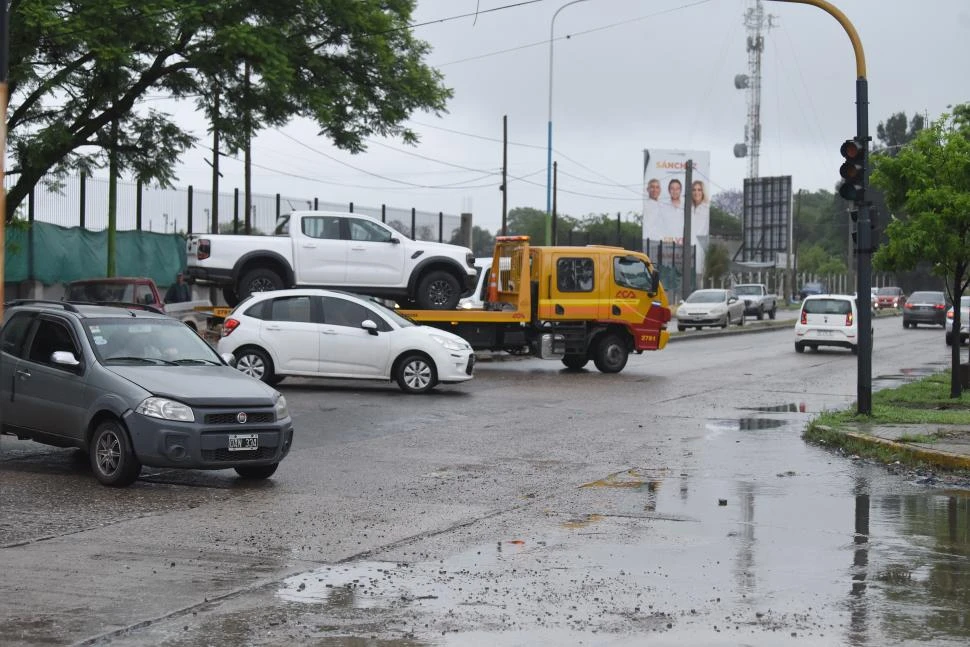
64,358
229,359
395,240
654,282
369,326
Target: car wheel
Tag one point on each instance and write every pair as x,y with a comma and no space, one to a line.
761,314
415,374
260,279
255,362
255,472
575,362
772,313
726,321
113,461
681,328
741,321
611,354
799,347
949,340
438,291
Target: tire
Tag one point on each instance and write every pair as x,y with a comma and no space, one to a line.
256,472
575,362
761,313
229,294
438,290
611,354
799,347
256,363
260,279
949,340
415,374
681,328
727,320
773,312
112,460
741,321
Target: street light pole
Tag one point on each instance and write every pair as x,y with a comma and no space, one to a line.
552,26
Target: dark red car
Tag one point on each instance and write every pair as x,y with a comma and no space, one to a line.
890,297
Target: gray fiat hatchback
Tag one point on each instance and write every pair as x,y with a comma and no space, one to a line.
131,386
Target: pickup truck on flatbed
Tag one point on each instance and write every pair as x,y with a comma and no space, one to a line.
344,251
757,300
575,304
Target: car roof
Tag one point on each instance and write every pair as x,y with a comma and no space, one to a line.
87,310
112,279
844,297
305,292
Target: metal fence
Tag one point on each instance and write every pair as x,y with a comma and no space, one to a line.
83,202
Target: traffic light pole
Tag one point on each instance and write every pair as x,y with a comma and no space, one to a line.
864,235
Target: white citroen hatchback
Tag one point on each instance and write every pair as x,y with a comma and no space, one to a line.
827,320
326,333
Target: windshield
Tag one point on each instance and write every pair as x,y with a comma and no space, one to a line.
388,313
120,340
632,273
748,289
888,292
707,296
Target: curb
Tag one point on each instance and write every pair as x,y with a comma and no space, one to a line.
941,458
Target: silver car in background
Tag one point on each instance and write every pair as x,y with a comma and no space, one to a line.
711,307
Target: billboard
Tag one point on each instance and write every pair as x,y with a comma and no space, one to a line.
665,196
767,218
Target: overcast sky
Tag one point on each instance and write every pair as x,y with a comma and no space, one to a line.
632,74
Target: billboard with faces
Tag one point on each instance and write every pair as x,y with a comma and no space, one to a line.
666,194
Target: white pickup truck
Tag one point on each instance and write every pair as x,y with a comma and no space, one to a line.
757,300
345,251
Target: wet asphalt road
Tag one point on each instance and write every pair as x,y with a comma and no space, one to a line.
672,504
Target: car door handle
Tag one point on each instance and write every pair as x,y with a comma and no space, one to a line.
310,245
328,331
359,249
23,373
273,328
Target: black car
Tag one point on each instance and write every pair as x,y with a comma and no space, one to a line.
925,308
813,287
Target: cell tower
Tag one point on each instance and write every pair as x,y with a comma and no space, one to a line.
758,23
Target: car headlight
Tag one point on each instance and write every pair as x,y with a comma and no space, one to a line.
281,409
450,344
165,409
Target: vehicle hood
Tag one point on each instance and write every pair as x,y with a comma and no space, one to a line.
199,385
421,335
701,308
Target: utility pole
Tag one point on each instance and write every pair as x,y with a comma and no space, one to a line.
4,90
112,196
247,158
214,227
688,271
505,171
757,24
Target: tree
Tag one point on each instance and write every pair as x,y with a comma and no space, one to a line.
717,262
526,221
724,223
352,66
893,132
929,180
730,201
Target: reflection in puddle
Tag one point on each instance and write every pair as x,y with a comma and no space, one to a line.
779,408
744,424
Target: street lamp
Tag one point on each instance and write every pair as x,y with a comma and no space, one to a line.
552,26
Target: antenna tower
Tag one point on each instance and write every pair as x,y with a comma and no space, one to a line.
757,23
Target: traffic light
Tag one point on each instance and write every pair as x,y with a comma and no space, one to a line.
852,170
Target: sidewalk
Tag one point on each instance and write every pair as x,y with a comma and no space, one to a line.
947,446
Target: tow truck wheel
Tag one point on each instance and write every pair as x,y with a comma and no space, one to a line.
575,362
611,354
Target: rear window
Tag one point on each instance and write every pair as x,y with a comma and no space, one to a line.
932,297
827,307
889,292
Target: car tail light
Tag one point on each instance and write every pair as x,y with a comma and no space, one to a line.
228,326
938,306
804,317
909,306
949,315
204,249
848,320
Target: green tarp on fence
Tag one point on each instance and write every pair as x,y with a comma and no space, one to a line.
54,254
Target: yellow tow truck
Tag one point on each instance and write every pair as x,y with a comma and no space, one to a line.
574,304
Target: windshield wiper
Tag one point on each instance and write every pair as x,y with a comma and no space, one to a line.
145,360
187,361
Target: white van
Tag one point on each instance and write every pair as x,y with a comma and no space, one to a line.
827,320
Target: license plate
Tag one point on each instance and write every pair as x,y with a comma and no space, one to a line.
243,442
823,333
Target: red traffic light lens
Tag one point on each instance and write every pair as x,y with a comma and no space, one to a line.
851,149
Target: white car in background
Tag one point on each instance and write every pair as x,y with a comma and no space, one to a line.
711,307
827,320
324,333
964,322
476,300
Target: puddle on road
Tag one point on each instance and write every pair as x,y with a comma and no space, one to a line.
744,424
779,408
